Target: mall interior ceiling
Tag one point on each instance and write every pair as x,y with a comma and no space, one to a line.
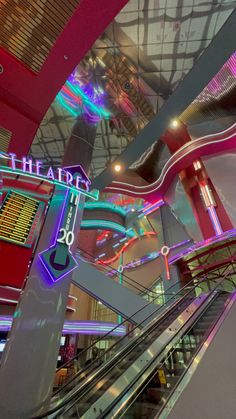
133,68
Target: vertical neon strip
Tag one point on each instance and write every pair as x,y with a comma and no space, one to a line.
207,195
77,201
215,220
167,268
60,218
119,319
1,189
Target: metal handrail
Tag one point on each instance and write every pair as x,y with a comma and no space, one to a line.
201,345
198,349
130,318
162,364
211,291
129,345
154,284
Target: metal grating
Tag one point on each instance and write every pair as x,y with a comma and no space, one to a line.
29,28
5,137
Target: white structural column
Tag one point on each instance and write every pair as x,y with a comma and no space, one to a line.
29,360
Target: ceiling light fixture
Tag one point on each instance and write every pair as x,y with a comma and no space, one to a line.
174,123
117,168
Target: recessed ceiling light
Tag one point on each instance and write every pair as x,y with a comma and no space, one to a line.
117,168
174,123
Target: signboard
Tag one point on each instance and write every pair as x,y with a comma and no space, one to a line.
80,181
73,177
58,259
19,216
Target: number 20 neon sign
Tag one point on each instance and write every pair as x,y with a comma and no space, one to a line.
66,233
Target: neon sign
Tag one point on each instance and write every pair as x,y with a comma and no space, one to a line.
73,176
78,99
19,218
57,259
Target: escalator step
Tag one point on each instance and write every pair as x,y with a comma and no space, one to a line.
178,370
83,407
142,410
205,324
172,380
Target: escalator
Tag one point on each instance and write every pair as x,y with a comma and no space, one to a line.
150,400
139,378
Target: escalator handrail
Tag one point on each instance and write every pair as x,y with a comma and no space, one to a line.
129,346
154,284
83,370
99,371
125,321
127,334
211,292
206,336
114,328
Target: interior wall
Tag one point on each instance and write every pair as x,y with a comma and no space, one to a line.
177,200
173,231
147,273
6,310
82,305
224,180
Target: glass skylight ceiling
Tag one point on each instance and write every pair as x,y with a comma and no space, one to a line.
138,62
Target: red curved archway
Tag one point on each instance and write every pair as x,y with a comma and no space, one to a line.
24,95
